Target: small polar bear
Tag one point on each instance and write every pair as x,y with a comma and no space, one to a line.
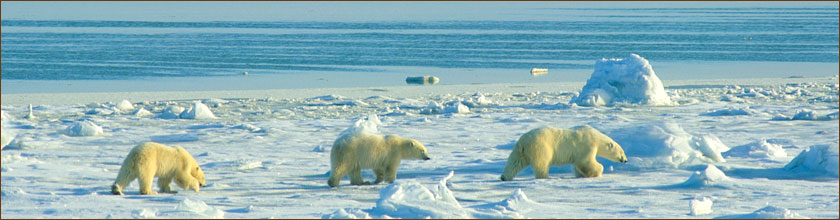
363,150
548,146
149,160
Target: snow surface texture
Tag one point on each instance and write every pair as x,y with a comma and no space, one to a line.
667,144
630,80
267,154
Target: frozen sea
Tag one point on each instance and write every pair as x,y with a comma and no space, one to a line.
752,131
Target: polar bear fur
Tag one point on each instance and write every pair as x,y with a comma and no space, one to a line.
363,150
149,160
548,146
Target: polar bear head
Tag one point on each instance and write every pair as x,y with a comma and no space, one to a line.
190,166
410,148
607,147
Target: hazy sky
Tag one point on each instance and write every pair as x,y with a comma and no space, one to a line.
326,11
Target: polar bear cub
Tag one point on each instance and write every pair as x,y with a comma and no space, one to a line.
149,160
548,146
363,150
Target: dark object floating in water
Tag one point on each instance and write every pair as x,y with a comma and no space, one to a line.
422,80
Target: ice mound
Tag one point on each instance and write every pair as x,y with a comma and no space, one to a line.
214,102
198,111
142,112
760,149
630,80
171,112
125,106
84,128
769,212
477,100
454,107
144,213
514,206
701,206
729,112
200,208
711,176
667,144
410,200
807,114
817,158
369,124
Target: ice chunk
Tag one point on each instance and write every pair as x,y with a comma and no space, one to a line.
198,111
422,80
201,208
410,199
144,213
711,176
817,158
125,106
700,206
142,112
630,80
370,124
84,128
667,144
760,149
171,112
768,212
729,112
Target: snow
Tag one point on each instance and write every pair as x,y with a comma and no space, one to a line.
709,177
125,106
818,158
84,128
171,112
729,112
266,155
630,80
667,144
198,111
768,212
760,149
702,206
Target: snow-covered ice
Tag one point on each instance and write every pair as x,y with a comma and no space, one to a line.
701,206
630,80
266,155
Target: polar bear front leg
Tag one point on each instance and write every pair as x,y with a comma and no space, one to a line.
187,181
164,183
391,173
145,180
588,169
380,175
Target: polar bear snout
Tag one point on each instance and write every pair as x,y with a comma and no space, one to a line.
425,157
623,160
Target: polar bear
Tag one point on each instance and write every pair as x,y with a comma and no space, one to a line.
363,150
547,146
149,160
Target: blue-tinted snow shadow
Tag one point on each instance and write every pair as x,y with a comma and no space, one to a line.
777,174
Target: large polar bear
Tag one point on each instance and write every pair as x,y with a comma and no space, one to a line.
149,160
363,150
547,146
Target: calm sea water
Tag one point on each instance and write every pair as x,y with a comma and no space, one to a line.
561,39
